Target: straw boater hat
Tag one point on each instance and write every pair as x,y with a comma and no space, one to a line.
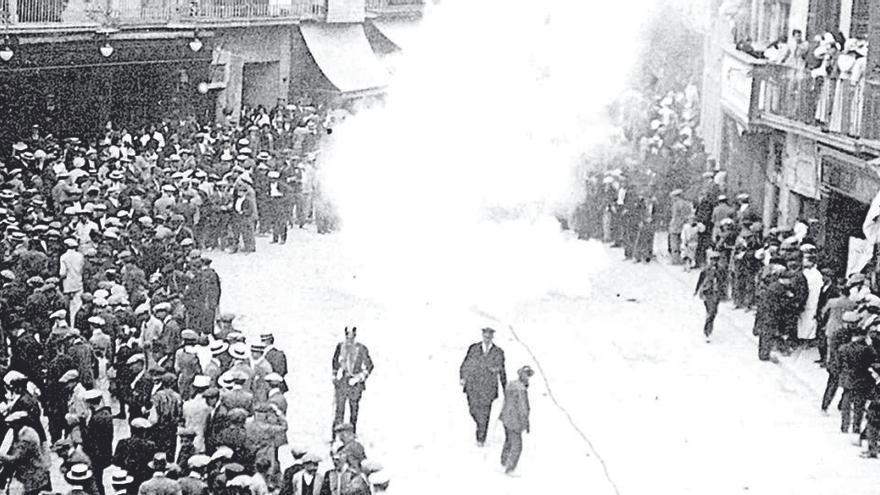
78,473
239,350
121,477
218,347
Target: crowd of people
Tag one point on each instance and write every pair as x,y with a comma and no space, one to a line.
780,274
820,81
119,369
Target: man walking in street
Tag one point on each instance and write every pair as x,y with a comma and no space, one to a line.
351,367
710,288
515,418
480,373
97,435
856,358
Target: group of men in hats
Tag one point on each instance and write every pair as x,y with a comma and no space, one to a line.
851,320
482,373
782,274
208,418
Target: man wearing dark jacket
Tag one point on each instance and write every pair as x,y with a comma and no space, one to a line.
133,453
352,366
22,400
710,289
280,203
856,358
84,358
775,309
97,435
480,373
26,356
835,341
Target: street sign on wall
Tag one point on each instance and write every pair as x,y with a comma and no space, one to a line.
802,166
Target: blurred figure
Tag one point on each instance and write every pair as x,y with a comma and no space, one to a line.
515,418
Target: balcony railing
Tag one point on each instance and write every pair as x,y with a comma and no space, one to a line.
395,7
28,13
832,105
871,112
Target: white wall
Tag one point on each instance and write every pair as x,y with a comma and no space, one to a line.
797,18
846,8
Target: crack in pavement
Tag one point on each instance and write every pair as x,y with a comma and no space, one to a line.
559,406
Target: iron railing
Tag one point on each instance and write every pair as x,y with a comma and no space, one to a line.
53,12
833,105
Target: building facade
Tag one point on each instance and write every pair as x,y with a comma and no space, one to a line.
71,66
803,142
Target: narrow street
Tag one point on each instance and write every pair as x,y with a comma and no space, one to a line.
629,374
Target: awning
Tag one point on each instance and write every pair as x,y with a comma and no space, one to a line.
344,56
400,32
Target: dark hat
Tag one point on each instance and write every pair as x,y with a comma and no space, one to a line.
488,330
186,432
526,370
159,462
169,379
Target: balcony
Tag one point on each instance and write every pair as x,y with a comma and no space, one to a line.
47,15
739,86
840,112
395,8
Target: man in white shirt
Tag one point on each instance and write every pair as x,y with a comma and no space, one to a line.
71,272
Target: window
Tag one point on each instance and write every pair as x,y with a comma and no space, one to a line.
858,27
772,20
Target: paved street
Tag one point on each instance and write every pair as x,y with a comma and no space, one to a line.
627,367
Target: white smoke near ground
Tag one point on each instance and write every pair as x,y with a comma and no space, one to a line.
447,192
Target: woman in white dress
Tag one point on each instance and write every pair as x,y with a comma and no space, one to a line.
807,320
857,78
842,87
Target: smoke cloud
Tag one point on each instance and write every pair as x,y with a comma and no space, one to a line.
447,191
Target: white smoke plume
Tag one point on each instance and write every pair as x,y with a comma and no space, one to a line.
448,191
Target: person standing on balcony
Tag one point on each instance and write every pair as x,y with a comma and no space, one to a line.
798,48
842,88
857,76
795,85
827,72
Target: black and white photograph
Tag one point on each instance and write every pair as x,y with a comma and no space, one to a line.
436,247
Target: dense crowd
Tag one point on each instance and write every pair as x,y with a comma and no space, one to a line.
780,273
119,370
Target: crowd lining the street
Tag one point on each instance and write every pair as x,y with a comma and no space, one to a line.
779,274
118,367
